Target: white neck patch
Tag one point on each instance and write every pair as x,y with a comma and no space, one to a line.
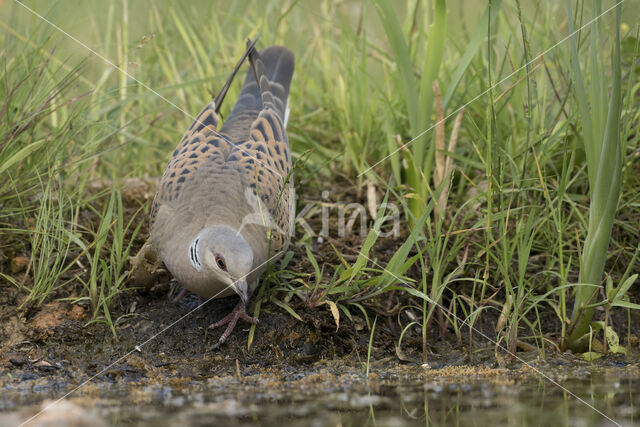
193,255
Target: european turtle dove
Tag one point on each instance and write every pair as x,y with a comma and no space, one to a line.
225,204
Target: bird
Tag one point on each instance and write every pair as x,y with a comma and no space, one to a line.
224,208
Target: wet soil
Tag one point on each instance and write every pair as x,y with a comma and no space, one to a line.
162,366
162,369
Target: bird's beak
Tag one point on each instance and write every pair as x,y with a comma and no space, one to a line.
242,289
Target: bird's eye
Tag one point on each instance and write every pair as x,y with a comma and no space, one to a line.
221,263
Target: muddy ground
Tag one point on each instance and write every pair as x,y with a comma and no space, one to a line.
55,340
53,348
295,370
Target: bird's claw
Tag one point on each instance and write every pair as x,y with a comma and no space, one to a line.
239,312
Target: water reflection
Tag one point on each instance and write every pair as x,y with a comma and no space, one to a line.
387,400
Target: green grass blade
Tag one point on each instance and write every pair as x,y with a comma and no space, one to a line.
400,50
583,103
479,35
604,202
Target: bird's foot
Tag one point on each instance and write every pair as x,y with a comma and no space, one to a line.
239,312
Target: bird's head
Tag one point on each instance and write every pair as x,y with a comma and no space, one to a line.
225,256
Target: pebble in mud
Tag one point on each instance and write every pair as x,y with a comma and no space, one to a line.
307,349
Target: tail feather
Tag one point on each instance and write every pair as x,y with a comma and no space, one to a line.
274,68
260,74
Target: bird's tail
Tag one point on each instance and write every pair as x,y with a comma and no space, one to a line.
266,85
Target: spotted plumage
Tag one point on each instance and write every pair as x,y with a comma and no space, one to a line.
225,200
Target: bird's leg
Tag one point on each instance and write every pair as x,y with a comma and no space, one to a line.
239,312
180,295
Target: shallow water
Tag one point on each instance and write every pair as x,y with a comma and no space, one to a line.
473,396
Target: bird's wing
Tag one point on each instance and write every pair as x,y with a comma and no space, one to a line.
264,156
199,146
266,164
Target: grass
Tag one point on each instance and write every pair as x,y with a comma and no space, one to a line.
520,213
107,255
417,93
603,150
